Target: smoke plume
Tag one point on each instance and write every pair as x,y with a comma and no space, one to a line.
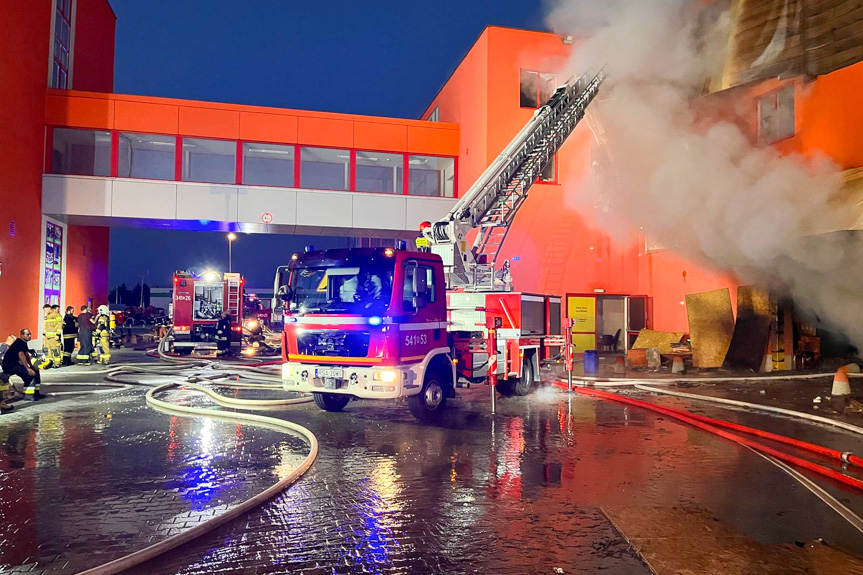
703,188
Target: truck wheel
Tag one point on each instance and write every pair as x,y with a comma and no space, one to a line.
331,401
520,385
428,404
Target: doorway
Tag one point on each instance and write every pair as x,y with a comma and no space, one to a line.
606,322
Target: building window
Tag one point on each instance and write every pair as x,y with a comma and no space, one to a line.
210,161
53,263
81,152
379,172
268,165
431,176
536,88
435,115
61,59
776,118
146,156
324,168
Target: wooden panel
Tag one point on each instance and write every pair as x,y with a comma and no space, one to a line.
79,112
752,329
386,137
711,326
144,117
268,128
209,123
326,132
661,340
437,141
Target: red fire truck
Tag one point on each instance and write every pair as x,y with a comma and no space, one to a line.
198,302
386,323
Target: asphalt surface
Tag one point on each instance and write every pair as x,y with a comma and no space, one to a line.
532,489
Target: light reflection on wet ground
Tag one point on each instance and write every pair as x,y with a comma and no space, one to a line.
95,478
518,493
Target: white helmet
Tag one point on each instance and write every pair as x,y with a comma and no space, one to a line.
103,310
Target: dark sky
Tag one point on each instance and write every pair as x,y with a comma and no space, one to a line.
385,58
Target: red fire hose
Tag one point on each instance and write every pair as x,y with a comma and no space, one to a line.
713,426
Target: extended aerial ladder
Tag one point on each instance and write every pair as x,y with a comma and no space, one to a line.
493,201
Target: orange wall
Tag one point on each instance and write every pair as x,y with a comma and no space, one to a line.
253,123
93,68
87,265
23,76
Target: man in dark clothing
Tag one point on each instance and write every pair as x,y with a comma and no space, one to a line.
85,336
70,330
223,334
17,361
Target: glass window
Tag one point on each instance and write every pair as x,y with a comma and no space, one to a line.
53,263
379,172
529,87
776,120
324,168
268,165
435,115
431,176
146,156
419,284
211,161
546,88
62,44
81,152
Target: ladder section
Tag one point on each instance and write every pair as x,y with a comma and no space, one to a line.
234,297
566,109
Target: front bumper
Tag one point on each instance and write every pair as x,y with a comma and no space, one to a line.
362,382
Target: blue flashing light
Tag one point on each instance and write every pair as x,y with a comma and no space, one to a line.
291,319
204,222
516,259
376,320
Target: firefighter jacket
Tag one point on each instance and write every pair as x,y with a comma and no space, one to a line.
223,329
103,323
70,324
53,326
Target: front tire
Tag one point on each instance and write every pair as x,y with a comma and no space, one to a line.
331,401
428,404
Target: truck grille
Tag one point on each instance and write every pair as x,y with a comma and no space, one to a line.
334,343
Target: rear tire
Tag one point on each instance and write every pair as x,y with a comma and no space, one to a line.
518,386
331,401
428,404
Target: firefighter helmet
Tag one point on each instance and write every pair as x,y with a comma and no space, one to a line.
103,310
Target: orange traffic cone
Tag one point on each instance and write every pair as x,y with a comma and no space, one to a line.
840,383
619,365
677,365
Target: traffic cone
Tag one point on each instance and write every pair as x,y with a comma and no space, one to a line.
841,386
677,365
619,365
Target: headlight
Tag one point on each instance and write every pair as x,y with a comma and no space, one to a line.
387,376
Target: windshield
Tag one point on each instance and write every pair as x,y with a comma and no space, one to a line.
364,289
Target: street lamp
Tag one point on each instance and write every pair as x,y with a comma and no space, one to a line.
231,237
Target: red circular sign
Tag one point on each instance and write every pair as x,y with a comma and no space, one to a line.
267,217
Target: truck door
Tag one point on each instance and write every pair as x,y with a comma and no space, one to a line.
424,310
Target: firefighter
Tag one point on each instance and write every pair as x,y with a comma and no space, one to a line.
102,336
85,336
70,332
52,331
223,334
18,361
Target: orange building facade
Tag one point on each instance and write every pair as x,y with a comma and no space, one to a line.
224,166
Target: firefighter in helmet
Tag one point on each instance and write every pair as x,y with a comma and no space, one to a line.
102,336
223,333
52,331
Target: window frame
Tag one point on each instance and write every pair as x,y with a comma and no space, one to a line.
181,168
542,79
775,137
64,9
415,265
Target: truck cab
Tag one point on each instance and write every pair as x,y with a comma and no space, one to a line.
367,323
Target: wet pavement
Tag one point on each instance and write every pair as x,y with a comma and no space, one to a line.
529,490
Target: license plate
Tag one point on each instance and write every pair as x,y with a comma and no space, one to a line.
334,373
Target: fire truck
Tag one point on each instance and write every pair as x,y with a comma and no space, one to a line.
384,323
197,305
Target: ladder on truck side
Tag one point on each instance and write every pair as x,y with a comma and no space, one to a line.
234,297
493,201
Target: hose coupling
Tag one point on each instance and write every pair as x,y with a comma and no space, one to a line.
846,456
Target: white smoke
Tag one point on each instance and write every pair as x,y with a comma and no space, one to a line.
704,189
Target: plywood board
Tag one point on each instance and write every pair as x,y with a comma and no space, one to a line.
711,326
660,339
752,329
